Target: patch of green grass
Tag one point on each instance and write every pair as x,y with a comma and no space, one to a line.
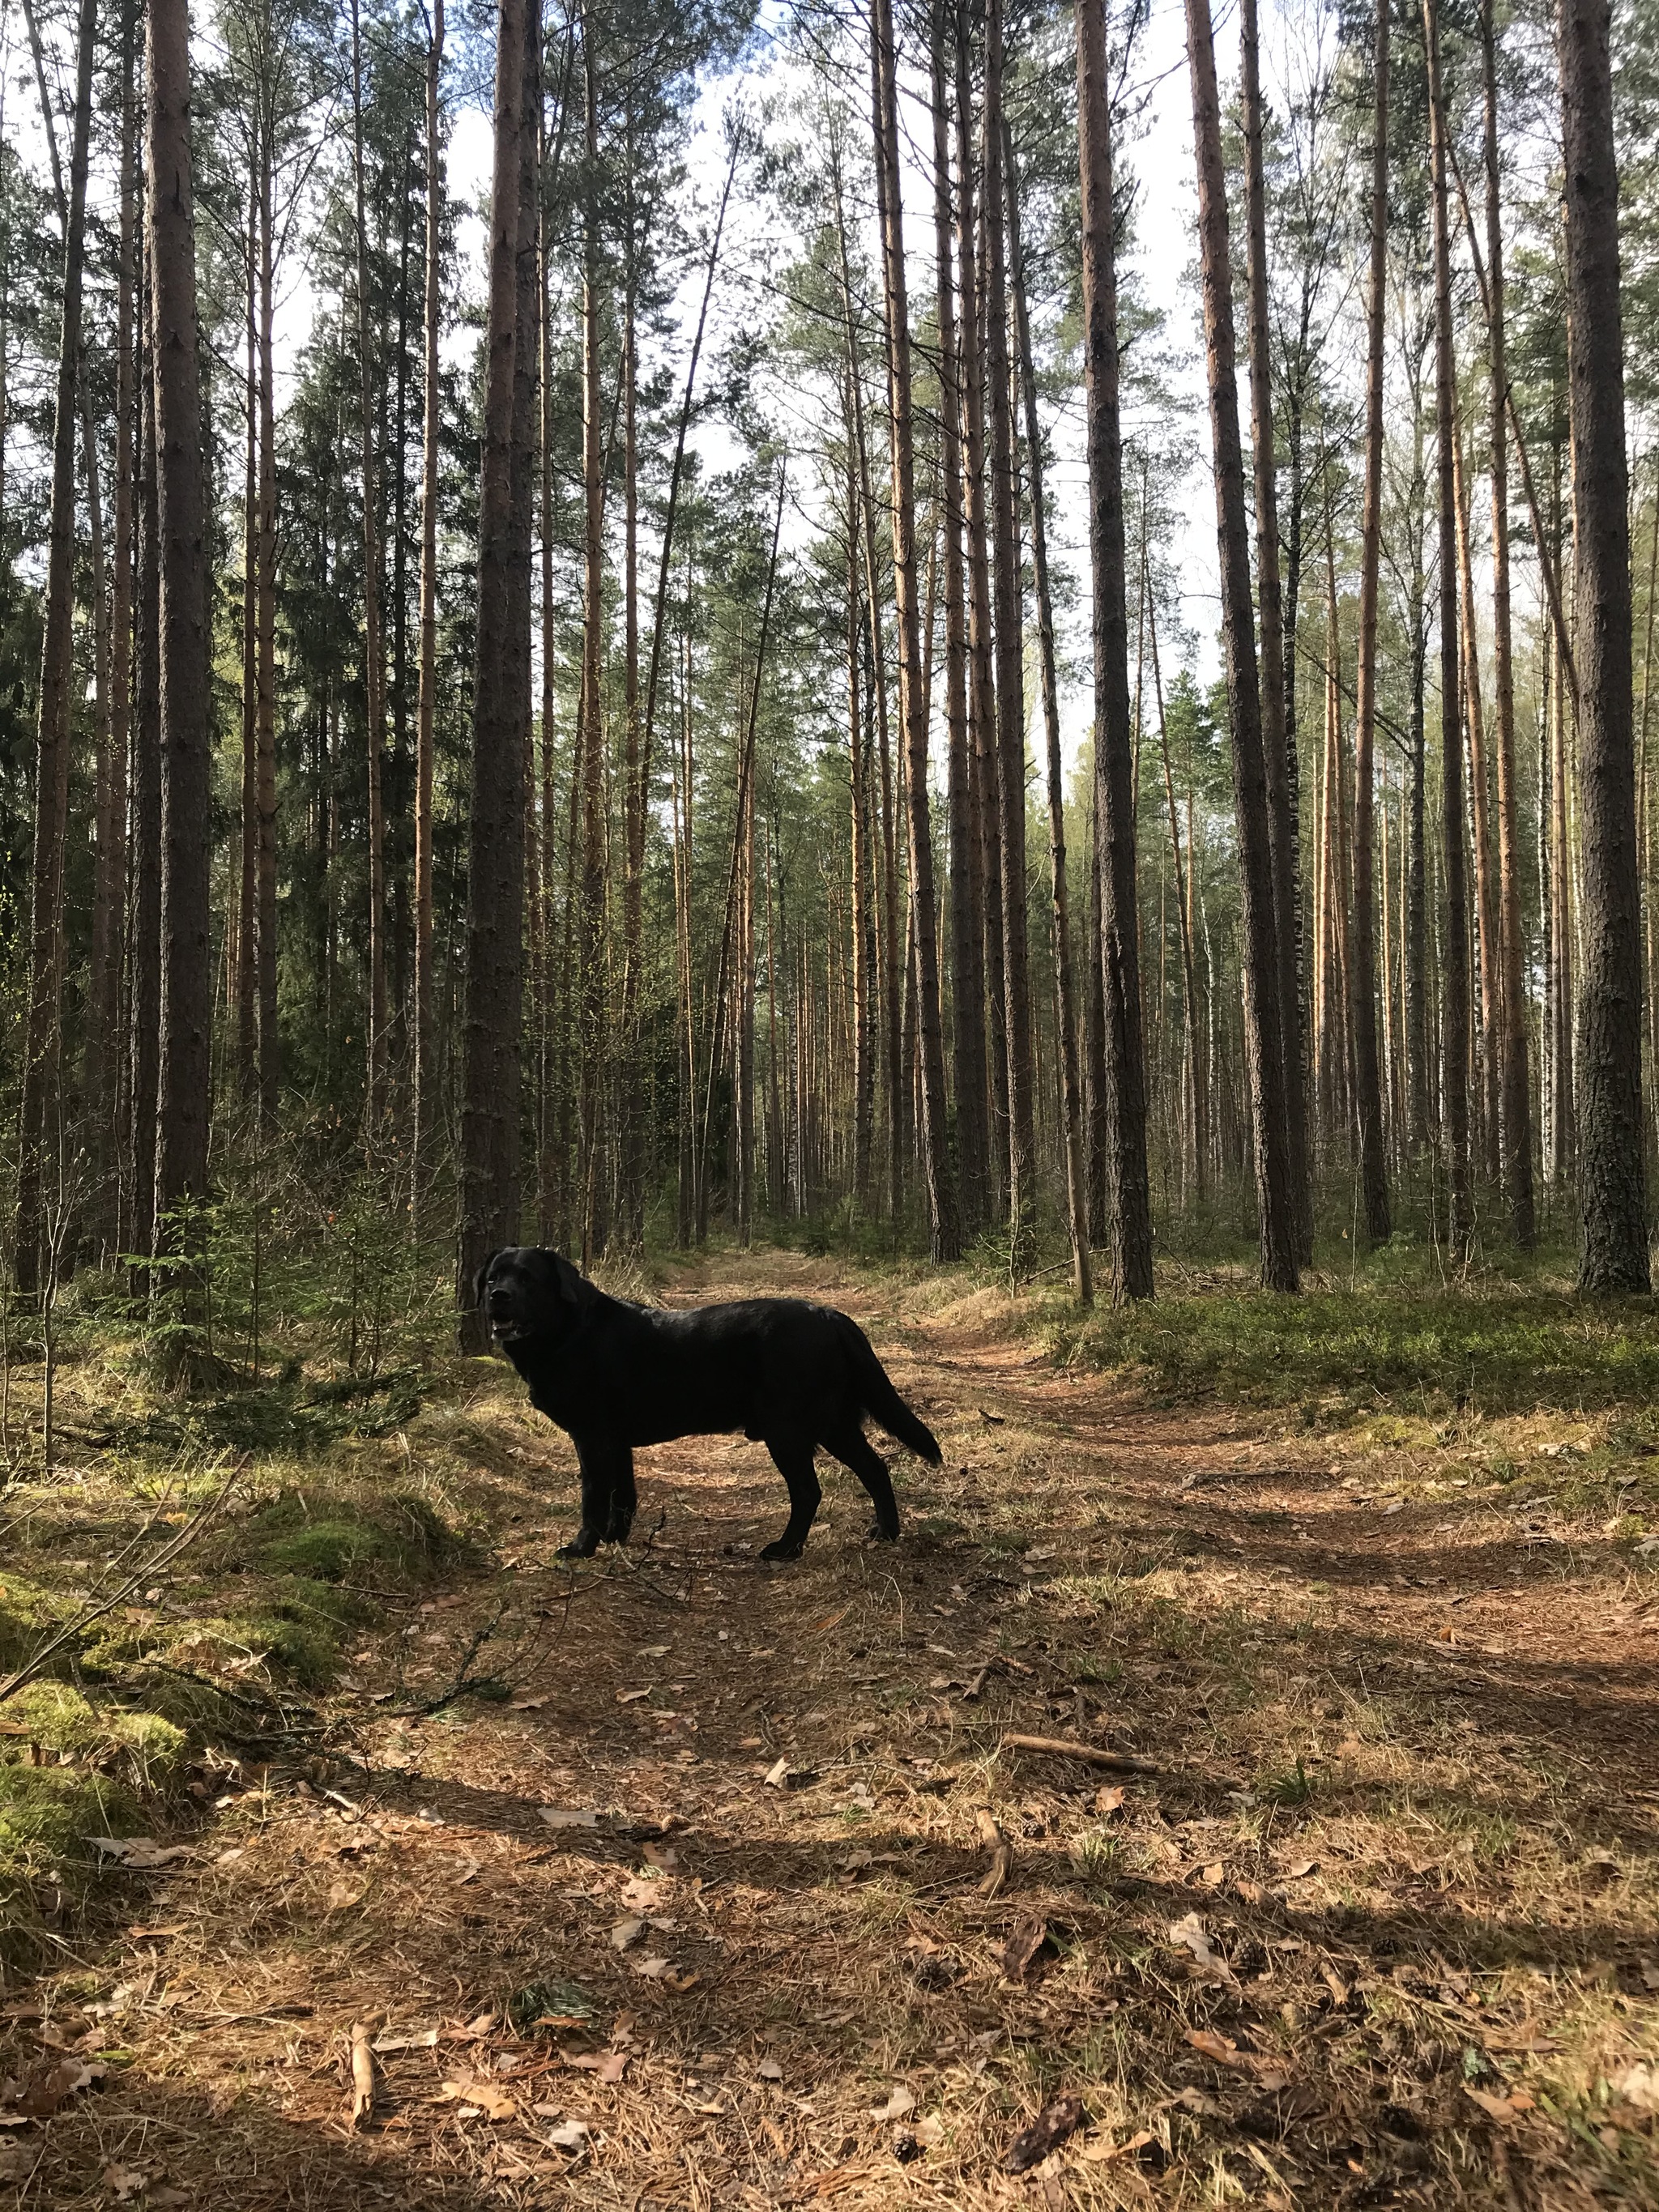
1295,1786
1376,1349
29,1615
327,1539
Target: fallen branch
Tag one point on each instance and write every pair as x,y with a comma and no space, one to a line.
362,2075
1061,1748
1001,1850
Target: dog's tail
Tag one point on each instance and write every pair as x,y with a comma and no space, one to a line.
882,1402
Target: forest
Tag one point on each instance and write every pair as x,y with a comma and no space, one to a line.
986,662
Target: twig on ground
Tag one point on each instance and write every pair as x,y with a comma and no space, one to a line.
362,2075
1001,1850
1061,1748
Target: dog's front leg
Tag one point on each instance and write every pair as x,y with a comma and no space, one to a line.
598,1459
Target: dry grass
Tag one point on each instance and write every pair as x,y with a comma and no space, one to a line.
1402,1816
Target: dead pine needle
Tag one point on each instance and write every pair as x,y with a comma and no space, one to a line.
1053,1747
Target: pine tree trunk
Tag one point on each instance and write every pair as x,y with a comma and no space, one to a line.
264,607
1489,1148
248,908
1264,1047
1614,1239
1129,1198
1071,1085
1516,1079
1010,661
981,691
1276,743
184,1074
967,888
424,1057
373,662
1454,1079
864,1058
1373,1161
913,700
490,1077
38,1178
591,929
144,984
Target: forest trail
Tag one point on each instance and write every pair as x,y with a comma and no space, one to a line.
1370,1933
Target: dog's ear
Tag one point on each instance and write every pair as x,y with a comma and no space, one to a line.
572,1286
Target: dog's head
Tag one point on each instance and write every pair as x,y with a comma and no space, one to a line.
530,1293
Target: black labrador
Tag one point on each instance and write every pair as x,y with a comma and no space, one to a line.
614,1374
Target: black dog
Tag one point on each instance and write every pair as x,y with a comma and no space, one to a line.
613,1375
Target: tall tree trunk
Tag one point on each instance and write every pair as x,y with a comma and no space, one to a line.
1275,741
1485,884
1071,1085
981,691
247,906
265,661
1128,1197
1373,1160
490,1075
144,983
591,922
1454,998
374,659
1614,1239
864,1040
1516,1080
1264,1047
1010,661
424,1057
184,1075
967,888
913,698
43,1044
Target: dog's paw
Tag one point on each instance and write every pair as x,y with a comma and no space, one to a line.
782,1550
875,1534
580,1546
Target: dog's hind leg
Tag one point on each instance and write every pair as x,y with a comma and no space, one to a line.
604,1464
854,1449
792,1458
624,1499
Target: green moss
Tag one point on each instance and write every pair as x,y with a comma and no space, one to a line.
142,1748
329,1539
47,1815
29,1615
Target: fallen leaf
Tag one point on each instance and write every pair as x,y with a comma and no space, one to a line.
769,2070
1500,2108
1218,2047
652,1970
661,1855
422,2039
140,1853
1054,2124
626,1932
362,2075
613,2066
343,1895
1195,2100
652,1652
1098,2153
557,1817
1188,1933
1025,1950
1639,2084
643,1896
1301,1870
474,2089
896,2106
776,1775
1251,1892
831,1620
1212,1875
1109,1800
526,1705
122,2181
929,2131
571,2136
40,2097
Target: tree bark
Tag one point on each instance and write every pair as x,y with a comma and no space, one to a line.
1613,1238
1071,1086
43,1044
373,662
967,890
591,929
1486,886
913,699
1454,994
1275,740
1516,1079
1264,1045
185,1071
424,1057
1009,662
1129,1198
490,1075
144,982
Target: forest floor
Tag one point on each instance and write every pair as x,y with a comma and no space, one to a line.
695,1905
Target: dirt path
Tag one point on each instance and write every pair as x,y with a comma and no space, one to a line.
699,1914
